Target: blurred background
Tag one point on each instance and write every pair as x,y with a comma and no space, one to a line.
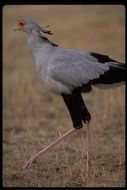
32,116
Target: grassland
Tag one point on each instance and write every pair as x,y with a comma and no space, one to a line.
32,116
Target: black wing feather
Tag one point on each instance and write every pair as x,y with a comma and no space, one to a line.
116,73
102,58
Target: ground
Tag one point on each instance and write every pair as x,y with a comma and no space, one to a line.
33,117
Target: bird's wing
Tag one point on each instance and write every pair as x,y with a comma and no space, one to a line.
75,68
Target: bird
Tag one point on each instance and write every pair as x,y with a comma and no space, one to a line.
69,73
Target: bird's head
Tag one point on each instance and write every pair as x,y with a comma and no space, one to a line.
28,25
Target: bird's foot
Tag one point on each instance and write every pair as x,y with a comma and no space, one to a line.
42,151
29,163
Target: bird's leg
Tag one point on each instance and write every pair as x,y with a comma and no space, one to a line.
88,150
40,153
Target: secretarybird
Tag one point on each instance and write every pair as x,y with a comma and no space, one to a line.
68,73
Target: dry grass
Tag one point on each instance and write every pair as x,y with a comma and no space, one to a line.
33,116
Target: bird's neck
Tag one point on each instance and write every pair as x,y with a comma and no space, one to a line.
38,43
41,50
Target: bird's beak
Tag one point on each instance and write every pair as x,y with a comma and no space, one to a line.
17,27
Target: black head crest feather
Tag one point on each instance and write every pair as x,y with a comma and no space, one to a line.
47,31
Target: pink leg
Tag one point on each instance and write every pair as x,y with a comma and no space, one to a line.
37,155
88,150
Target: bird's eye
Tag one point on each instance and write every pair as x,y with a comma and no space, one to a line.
21,23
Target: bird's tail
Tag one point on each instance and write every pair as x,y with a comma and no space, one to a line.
77,109
115,76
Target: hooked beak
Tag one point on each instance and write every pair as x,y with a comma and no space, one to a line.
15,28
18,27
